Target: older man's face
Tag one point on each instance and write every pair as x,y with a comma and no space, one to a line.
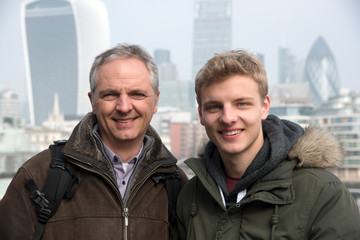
123,101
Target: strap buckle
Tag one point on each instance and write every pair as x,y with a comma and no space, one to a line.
39,198
44,215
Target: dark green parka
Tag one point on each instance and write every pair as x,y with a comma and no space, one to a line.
298,199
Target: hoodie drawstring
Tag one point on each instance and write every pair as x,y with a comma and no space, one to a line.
274,221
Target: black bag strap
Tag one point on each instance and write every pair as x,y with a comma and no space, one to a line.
172,183
61,182
173,186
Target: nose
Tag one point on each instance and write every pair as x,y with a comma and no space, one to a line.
123,104
228,115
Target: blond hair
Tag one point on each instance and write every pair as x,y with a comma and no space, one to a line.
226,64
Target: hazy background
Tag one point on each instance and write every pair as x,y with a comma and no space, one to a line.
260,26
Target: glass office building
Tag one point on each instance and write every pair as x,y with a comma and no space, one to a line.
321,73
61,39
212,30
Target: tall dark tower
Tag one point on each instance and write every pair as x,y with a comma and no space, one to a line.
61,39
212,30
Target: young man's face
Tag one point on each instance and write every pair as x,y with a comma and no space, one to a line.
231,112
124,101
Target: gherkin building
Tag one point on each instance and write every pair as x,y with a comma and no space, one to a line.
321,73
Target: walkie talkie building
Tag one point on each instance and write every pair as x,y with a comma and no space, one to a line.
61,39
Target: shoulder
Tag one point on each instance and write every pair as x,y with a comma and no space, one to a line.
38,162
197,165
316,179
35,168
319,175
320,188
325,201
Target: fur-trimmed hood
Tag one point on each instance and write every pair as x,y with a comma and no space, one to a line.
317,148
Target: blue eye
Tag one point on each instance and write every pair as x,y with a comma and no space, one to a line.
212,108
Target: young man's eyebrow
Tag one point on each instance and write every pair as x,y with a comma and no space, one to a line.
244,98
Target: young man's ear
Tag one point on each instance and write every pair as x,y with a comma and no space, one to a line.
200,116
265,108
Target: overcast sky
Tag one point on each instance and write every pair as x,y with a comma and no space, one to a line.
259,26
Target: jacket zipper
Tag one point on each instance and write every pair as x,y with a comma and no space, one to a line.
126,210
126,221
124,201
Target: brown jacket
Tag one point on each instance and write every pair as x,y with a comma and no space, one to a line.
97,210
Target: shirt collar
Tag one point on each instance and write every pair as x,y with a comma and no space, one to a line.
112,155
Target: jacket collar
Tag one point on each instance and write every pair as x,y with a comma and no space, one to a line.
275,187
85,149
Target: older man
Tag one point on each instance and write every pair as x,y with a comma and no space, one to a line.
119,156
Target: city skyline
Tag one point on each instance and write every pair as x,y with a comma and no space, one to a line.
259,26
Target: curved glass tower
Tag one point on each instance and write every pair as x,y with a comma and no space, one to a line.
321,73
61,39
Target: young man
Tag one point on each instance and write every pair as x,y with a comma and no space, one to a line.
119,156
260,177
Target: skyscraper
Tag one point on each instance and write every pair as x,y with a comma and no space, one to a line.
173,92
167,70
286,66
291,69
212,30
61,39
10,106
161,56
321,73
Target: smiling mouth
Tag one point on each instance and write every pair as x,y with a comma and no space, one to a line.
231,133
124,120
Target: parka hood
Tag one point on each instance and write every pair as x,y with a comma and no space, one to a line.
317,148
